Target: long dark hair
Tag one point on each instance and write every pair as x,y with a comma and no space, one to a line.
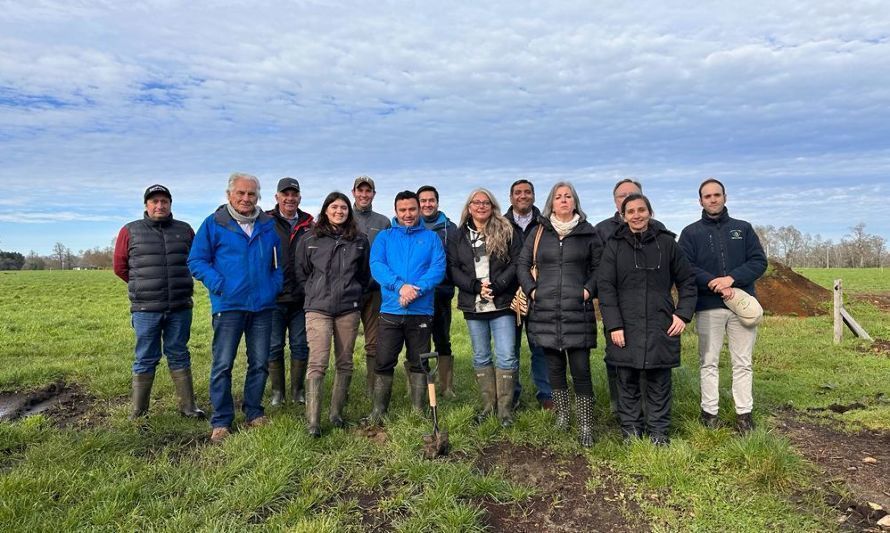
323,225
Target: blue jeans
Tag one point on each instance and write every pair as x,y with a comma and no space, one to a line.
502,330
540,374
291,320
228,327
173,328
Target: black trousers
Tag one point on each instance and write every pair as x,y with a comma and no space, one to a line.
442,323
578,363
394,331
658,392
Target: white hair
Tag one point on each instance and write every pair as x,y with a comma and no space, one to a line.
243,176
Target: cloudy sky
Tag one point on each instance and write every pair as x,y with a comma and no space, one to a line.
788,103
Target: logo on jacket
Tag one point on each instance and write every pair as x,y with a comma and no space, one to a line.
735,234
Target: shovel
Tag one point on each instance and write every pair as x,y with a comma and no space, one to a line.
435,444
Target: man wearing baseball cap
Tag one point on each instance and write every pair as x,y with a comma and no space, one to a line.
288,318
370,223
150,255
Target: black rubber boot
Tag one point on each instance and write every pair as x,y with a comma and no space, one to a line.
297,379
380,399
506,382
417,381
185,393
562,408
584,405
485,378
446,376
276,382
141,394
339,396
744,423
314,391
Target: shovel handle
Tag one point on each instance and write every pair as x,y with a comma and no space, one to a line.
431,390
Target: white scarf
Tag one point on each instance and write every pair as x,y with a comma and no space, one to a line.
563,228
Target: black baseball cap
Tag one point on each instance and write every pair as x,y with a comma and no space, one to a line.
156,189
288,183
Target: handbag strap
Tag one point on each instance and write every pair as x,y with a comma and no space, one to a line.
535,249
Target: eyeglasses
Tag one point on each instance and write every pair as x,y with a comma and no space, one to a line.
644,267
481,203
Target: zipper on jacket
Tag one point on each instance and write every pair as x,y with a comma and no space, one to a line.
559,296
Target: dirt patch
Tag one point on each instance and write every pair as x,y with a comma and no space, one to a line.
881,300
373,433
64,404
371,517
879,347
782,291
859,461
562,501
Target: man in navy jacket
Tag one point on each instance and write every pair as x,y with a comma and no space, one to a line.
724,253
236,255
408,261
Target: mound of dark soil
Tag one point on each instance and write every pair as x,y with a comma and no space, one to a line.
563,501
782,291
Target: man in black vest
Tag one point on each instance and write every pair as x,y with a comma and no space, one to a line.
150,255
288,317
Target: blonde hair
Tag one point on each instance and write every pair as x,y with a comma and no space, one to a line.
498,230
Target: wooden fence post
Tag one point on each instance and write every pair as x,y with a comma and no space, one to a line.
838,305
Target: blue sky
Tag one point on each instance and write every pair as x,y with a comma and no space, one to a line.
788,104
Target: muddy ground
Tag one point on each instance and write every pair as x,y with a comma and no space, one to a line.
65,404
855,467
562,501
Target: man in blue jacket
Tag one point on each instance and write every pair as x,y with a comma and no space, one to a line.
724,253
408,261
236,255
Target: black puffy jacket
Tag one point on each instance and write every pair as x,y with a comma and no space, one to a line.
462,270
334,272
635,278
157,254
559,316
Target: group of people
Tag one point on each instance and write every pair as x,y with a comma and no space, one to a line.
283,277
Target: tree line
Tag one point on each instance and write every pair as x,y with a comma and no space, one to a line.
857,249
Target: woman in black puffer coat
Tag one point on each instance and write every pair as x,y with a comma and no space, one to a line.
561,317
640,265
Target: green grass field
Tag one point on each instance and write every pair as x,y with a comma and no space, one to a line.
113,474
855,279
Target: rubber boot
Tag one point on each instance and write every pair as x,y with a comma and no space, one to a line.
485,378
418,391
380,399
584,405
561,405
446,375
506,382
141,393
339,397
185,393
407,366
314,391
297,379
370,375
276,382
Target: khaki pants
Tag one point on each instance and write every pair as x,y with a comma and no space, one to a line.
370,317
712,325
320,329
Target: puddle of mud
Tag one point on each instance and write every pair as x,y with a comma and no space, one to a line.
64,404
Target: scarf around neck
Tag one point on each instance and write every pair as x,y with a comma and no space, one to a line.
242,219
563,228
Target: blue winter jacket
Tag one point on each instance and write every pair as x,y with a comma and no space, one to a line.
412,255
240,272
722,246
